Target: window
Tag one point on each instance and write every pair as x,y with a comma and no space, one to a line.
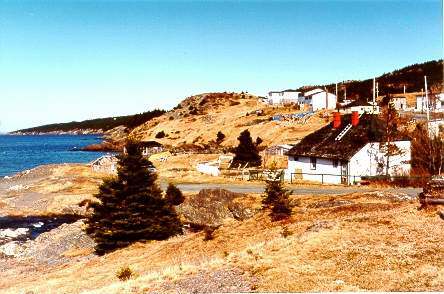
296,158
312,163
335,163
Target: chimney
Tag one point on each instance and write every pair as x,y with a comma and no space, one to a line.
336,120
355,118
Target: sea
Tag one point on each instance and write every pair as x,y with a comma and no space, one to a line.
19,153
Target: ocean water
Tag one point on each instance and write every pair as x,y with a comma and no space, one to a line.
18,153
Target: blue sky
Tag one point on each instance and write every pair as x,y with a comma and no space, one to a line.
72,60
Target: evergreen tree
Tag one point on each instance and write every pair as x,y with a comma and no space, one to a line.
246,151
276,198
131,206
220,137
173,195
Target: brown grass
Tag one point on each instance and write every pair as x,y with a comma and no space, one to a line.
373,244
229,118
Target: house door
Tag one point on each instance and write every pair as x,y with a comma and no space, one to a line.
344,172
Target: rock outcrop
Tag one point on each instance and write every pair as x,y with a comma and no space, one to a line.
211,207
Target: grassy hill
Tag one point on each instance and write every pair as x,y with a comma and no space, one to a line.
98,125
197,119
412,77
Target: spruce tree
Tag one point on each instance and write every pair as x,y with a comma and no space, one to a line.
131,206
246,151
276,198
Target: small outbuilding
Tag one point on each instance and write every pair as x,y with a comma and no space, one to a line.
105,164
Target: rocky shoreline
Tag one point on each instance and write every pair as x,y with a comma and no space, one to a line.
59,132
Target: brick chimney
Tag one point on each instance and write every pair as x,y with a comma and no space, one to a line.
355,118
336,120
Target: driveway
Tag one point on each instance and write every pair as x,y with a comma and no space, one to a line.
302,190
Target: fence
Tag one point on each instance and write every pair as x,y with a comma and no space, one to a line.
266,175
355,179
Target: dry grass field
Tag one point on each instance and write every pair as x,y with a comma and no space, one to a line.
356,242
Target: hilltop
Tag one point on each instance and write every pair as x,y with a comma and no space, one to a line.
197,119
412,77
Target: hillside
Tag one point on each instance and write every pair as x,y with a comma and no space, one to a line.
412,77
197,119
94,126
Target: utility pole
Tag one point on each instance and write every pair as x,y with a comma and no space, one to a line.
374,91
377,90
427,101
404,89
336,93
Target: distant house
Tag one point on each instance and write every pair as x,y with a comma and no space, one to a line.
318,99
281,149
436,103
283,97
360,107
436,127
105,164
343,152
421,103
400,103
150,147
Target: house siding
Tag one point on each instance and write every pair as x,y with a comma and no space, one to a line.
319,101
323,166
369,161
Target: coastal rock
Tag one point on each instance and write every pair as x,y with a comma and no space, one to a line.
8,233
11,249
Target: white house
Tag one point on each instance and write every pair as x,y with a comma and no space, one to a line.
343,152
421,104
400,103
283,97
360,107
436,103
318,99
281,149
436,126
105,164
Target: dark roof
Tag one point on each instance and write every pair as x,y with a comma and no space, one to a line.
149,144
357,103
322,143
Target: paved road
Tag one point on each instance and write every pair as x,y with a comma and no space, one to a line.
303,190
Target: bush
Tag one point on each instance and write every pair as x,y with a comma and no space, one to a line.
220,137
286,232
173,195
209,233
124,273
160,135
